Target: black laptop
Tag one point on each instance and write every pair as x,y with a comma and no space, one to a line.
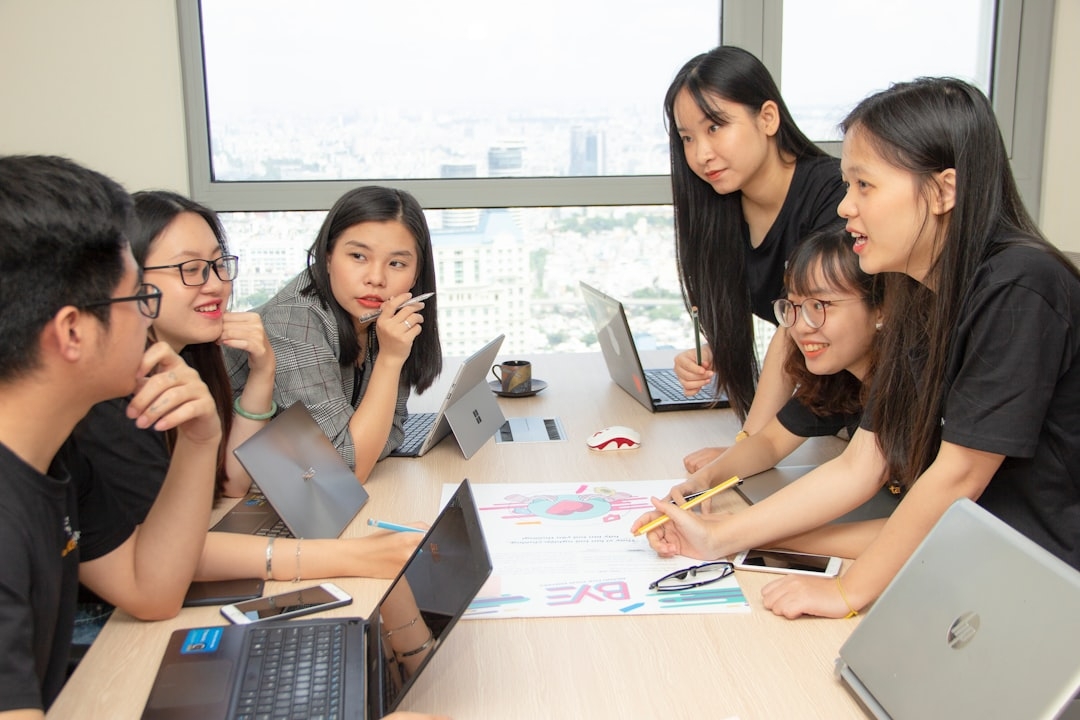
658,389
333,667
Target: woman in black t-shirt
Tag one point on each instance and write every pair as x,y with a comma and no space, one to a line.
977,392
747,186
832,314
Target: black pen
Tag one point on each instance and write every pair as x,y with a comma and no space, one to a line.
697,332
691,496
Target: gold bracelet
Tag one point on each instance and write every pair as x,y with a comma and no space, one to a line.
417,650
741,435
297,578
388,633
840,587
270,558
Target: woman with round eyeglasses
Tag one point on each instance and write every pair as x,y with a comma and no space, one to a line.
832,314
181,248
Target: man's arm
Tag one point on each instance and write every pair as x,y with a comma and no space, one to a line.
149,573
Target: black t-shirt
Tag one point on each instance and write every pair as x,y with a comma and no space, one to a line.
132,462
816,191
48,524
1012,387
799,420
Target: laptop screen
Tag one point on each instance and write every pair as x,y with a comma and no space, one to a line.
427,599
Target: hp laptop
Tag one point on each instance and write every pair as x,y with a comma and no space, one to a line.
346,667
470,411
304,489
979,623
756,488
658,389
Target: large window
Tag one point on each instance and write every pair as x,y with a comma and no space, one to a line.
871,45
534,133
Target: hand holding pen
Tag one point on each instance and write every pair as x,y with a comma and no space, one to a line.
411,301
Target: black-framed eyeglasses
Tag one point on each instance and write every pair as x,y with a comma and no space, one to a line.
148,297
813,311
197,272
694,576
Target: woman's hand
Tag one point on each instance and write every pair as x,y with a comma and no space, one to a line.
244,331
687,533
794,595
397,330
700,458
693,376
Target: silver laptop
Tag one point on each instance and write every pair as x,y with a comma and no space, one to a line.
304,488
980,622
333,667
469,410
658,389
756,488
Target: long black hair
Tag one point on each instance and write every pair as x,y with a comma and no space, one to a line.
708,227
373,203
925,127
155,210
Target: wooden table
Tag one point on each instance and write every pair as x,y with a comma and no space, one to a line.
752,665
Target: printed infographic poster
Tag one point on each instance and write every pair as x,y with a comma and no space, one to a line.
565,549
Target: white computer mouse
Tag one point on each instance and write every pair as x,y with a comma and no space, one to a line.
616,437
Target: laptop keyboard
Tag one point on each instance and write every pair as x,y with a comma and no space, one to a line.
293,672
278,529
417,426
663,382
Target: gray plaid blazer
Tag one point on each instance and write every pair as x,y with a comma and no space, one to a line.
304,336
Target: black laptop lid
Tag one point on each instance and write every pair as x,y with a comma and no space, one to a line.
415,615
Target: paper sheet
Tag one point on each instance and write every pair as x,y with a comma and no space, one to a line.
565,549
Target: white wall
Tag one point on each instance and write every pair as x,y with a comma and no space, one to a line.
99,81
1060,188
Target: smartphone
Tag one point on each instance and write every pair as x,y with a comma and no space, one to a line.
287,605
222,592
784,561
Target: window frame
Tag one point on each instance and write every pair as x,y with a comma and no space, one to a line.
1019,89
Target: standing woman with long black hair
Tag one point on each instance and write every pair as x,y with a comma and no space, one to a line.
747,186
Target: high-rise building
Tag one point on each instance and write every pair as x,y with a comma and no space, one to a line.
484,284
459,218
587,152
507,159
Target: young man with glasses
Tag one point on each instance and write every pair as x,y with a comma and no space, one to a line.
74,319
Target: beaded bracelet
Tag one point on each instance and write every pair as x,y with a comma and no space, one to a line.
253,416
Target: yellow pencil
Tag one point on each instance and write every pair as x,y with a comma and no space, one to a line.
730,482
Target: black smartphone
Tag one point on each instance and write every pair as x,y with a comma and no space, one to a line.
222,592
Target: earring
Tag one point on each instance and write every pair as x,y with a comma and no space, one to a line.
878,326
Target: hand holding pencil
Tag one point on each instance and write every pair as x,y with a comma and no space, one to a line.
686,534
693,502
